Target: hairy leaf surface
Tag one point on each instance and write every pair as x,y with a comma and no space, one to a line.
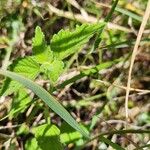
66,42
53,70
41,50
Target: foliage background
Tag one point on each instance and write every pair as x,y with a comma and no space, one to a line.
96,101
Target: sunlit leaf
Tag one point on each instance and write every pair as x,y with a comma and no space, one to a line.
19,103
53,70
66,42
47,137
31,144
41,50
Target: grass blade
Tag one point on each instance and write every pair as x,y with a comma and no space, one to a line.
98,36
109,142
47,98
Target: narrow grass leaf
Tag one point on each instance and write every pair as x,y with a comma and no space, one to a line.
47,98
109,142
23,66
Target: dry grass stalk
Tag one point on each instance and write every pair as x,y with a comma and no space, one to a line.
135,50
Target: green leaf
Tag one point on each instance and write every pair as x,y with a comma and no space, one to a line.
19,103
24,129
144,117
95,118
47,98
66,42
24,66
113,145
69,134
31,144
47,137
53,70
41,50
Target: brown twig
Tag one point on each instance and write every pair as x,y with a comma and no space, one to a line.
135,50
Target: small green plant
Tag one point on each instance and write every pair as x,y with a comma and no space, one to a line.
68,91
46,62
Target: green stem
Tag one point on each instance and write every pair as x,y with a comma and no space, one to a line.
115,132
88,72
142,147
98,37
